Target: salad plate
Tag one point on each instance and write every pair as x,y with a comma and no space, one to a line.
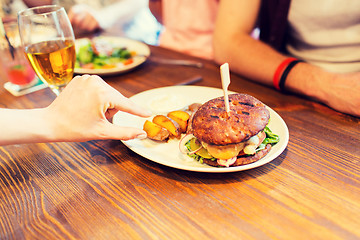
139,52
163,100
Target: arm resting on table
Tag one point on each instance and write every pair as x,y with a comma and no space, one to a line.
256,60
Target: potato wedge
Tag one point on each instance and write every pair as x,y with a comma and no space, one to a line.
172,126
155,131
181,117
194,107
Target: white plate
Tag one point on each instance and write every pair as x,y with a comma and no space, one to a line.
142,50
168,153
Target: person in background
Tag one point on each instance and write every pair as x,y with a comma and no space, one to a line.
75,115
188,25
128,18
89,16
306,47
9,9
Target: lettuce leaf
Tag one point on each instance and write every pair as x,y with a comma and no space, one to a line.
271,138
195,156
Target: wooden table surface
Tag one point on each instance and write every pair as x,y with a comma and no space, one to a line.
103,190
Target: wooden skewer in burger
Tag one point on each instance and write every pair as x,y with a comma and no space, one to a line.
230,130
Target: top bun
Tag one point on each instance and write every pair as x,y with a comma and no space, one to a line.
213,125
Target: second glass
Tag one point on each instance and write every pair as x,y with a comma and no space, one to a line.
14,64
49,43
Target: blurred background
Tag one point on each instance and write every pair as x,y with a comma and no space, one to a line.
130,18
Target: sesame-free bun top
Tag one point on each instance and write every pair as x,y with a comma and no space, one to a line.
213,125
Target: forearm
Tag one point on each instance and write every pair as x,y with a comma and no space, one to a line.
24,126
257,61
248,57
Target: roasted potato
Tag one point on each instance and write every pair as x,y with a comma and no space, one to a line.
166,122
155,131
194,107
181,117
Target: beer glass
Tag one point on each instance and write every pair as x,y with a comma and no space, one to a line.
49,43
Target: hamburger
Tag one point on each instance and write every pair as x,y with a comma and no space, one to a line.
238,137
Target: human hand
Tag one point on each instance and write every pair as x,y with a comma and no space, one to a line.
337,90
342,93
83,18
82,110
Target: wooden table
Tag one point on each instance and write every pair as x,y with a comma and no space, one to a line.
103,190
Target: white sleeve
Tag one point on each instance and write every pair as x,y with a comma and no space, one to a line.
122,11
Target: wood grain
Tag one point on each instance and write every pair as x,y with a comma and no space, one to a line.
102,190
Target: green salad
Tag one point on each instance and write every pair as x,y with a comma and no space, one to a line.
101,54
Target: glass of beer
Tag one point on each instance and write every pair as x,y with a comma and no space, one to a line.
49,44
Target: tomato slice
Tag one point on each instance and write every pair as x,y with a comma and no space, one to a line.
128,61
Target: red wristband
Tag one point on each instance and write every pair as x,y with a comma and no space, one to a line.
279,71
